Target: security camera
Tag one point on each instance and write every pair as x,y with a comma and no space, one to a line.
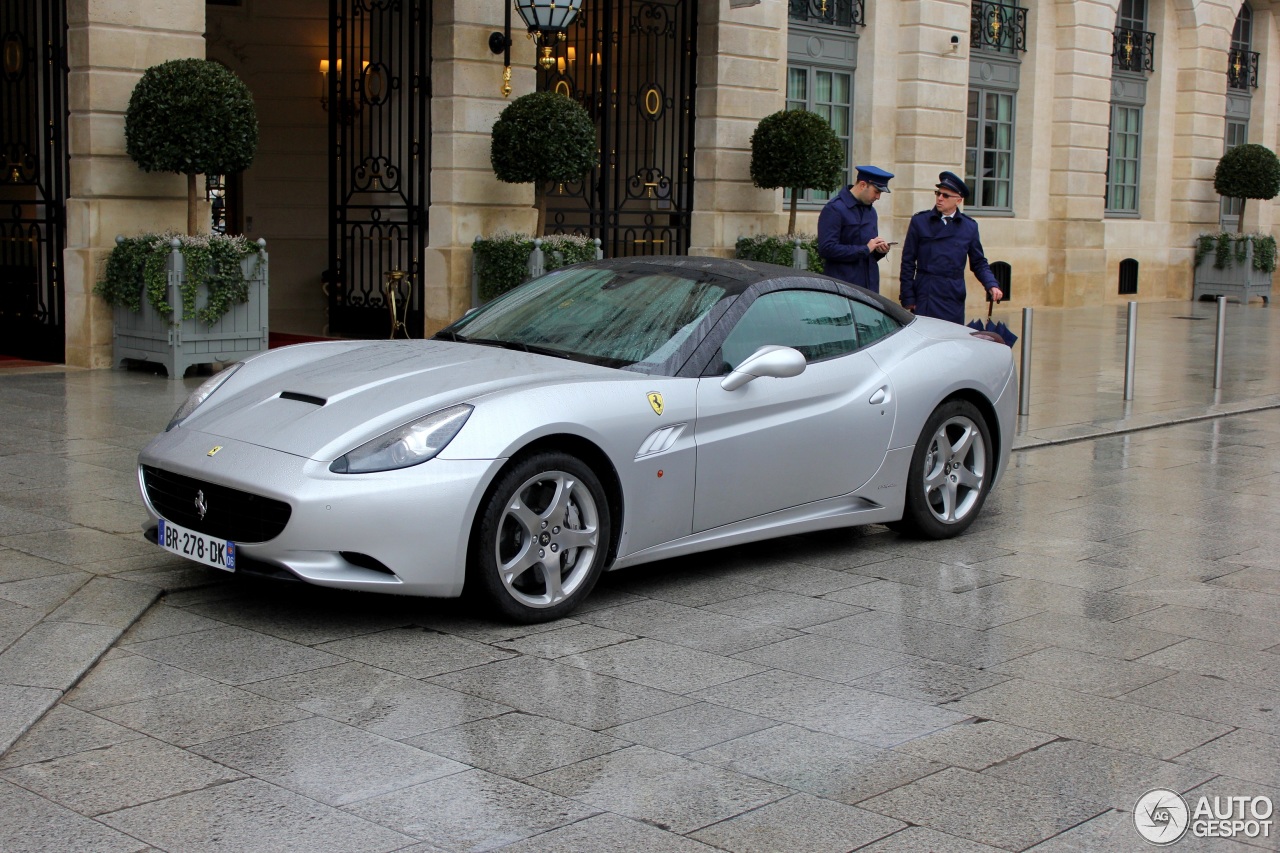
955,39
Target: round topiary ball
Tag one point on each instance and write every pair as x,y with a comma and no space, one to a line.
1248,171
796,149
192,117
543,137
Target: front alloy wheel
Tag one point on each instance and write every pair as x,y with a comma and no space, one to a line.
950,472
543,538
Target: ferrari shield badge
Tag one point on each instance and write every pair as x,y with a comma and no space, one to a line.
655,400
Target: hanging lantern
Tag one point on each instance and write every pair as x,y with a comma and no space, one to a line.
547,20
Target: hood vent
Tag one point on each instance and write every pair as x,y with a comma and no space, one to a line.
303,398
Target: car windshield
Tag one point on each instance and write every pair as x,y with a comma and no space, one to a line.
628,317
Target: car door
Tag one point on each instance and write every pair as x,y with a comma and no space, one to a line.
778,443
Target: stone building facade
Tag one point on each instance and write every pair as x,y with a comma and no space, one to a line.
1083,159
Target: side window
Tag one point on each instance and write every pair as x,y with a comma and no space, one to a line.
872,323
819,325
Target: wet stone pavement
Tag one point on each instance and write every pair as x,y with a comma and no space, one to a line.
1110,625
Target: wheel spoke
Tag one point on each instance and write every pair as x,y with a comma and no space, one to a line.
529,520
964,444
551,578
948,492
558,509
519,564
968,478
935,479
585,538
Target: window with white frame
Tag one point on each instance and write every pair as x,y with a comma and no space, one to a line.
822,58
989,149
828,93
997,39
1123,159
1132,58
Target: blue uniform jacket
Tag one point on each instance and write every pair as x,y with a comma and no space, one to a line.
933,257
844,228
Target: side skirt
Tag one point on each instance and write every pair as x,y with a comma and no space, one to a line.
881,500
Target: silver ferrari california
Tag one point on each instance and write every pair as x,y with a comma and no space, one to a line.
602,416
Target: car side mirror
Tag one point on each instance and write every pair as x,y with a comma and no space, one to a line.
770,360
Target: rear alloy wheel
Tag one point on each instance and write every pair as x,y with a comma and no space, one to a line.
950,472
542,539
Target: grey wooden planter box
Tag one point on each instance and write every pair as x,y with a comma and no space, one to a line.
1238,280
148,335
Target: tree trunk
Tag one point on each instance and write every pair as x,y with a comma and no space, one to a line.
191,204
1240,221
795,197
541,206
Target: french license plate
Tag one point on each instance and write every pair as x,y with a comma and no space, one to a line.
218,553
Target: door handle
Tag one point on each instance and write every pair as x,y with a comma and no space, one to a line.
880,396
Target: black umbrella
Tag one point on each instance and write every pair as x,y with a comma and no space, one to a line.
1006,334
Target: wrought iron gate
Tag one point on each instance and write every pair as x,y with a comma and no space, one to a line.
379,100
631,63
33,185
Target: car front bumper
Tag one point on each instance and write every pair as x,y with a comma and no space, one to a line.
403,532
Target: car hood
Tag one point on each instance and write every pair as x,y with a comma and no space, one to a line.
322,400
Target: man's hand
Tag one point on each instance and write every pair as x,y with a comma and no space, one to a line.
876,244
996,294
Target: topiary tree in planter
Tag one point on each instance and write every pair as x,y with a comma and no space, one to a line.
542,138
1245,172
795,150
191,117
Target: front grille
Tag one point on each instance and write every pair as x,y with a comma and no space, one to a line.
229,513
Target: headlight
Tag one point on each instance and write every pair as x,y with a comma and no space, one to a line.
404,446
201,394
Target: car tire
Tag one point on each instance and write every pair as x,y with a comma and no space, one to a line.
541,539
951,472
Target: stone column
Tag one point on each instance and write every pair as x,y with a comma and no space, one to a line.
467,200
1204,42
742,66
1076,254
109,45
917,85
1204,39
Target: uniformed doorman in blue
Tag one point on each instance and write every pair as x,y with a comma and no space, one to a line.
933,256
849,230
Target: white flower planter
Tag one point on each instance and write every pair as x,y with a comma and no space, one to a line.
148,335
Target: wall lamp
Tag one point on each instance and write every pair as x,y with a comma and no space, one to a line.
347,107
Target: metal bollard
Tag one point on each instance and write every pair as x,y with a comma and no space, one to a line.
1217,344
799,257
1024,389
1131,350
537,260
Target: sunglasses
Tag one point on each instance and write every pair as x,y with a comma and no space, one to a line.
941,194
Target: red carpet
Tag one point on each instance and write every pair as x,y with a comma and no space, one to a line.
284,339
14,361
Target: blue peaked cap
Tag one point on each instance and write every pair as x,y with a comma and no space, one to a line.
951,181
875,176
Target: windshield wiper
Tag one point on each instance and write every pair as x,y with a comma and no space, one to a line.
519,346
